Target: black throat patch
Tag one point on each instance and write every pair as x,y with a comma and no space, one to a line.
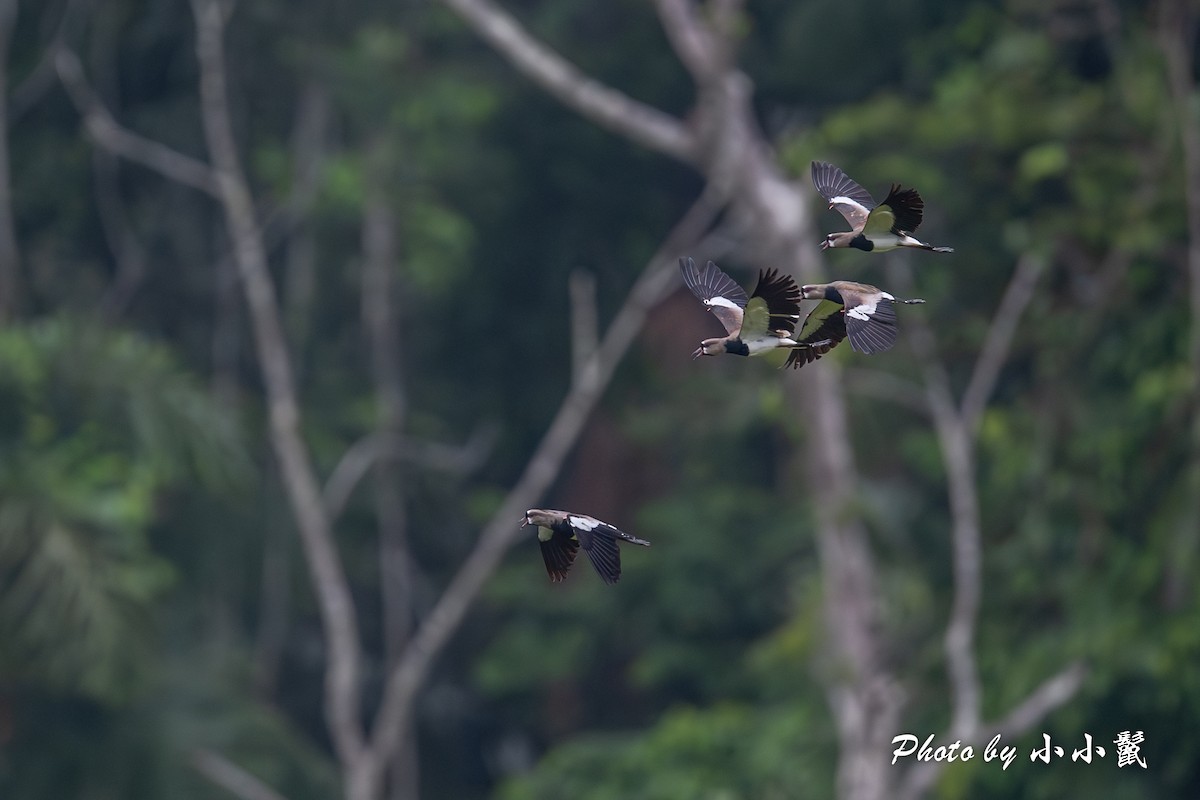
737,347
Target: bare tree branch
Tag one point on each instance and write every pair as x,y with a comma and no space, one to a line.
561,79
109,134
503,529
338,616
41,79
733,150
957,429
957,444
229,776
700,49
725,16
360,457
864,700
773,211
999,338
1052,694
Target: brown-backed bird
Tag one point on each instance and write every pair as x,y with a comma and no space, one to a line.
875,228
757,324
865,314
562,533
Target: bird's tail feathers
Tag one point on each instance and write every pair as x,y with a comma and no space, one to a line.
629,537
908,240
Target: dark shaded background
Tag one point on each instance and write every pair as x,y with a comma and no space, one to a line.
155,605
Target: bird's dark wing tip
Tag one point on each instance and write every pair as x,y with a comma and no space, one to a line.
876,334
559,553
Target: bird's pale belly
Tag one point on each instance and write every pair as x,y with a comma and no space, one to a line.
765,345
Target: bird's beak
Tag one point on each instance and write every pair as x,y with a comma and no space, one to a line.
699,352
524,520
824,244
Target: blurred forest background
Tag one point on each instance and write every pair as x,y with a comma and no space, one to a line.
303,303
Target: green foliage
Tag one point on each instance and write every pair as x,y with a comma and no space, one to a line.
146,609
679,624
97,426
1016,152
725,752
194,702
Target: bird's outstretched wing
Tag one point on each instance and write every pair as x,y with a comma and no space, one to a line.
774,306
853,201
825,322
720,293
599,541
871,327
559,551
901,212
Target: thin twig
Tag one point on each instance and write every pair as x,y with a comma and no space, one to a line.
998,342
41,79
1050,695
361,456
222,772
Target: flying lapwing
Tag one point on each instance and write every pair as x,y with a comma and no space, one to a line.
760,323
864,313
875,228
561,534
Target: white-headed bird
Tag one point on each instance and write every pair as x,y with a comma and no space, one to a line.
875,228
562,533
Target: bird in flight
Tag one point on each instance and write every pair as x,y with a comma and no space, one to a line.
561,534
864,313
874,227
760,323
